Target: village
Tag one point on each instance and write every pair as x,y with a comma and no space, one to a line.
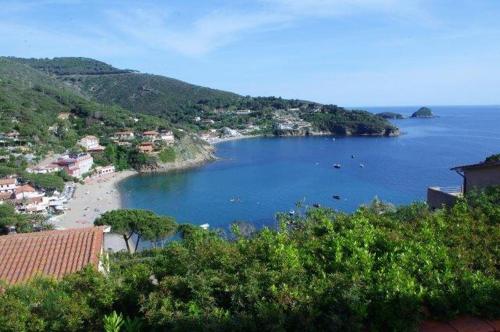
76,166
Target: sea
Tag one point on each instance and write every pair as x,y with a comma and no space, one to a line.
254,179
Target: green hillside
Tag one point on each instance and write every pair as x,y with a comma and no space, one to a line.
151,94
30,102
70,66
198,108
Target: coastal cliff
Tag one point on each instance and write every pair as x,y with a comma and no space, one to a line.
190,151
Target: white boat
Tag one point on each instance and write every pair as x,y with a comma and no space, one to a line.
205,226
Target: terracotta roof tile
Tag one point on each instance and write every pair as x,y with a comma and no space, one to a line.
25,189
470,324
495,324
434,326
52,253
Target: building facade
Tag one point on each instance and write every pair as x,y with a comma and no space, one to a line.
8,185
475,177
90,143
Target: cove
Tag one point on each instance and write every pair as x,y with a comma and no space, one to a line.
255,178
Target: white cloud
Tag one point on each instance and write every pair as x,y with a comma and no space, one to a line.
154,27
332,8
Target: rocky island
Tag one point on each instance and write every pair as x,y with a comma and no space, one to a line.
423,112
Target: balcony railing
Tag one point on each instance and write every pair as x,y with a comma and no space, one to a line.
439,196
452,190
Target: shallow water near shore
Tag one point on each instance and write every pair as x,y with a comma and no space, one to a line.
258,177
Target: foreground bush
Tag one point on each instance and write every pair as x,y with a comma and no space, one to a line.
381,268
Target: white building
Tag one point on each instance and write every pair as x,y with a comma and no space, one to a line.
103,171
43,169
90,143
8,185
167,137
150,135
26,191
33,205
125,135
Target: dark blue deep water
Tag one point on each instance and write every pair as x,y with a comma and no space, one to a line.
267,175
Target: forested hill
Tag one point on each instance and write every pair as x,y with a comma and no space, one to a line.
200,108
150,94
70,66
31,102
137,92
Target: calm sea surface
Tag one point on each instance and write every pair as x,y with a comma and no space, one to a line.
256,178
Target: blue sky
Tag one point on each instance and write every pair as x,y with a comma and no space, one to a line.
347,52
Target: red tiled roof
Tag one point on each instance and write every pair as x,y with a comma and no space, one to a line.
462,324
52,253
25,189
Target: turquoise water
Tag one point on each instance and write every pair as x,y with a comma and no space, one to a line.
255,178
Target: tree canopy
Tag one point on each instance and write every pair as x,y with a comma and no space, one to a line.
144,224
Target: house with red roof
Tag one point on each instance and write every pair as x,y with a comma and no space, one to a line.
51,253
146,147
8,185
27,191
150,135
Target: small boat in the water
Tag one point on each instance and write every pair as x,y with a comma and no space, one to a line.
352,156
291,212
316,205
361,165
337,197
205,226
337,165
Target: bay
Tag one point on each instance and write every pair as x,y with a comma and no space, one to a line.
255,178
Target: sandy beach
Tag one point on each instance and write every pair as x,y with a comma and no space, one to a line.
100,195
91,200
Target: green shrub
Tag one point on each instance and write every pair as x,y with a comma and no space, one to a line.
167,155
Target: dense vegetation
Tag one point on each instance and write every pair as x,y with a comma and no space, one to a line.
494,158
181,103
382,268
340,121
70,66
390,115
22,222
31,101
